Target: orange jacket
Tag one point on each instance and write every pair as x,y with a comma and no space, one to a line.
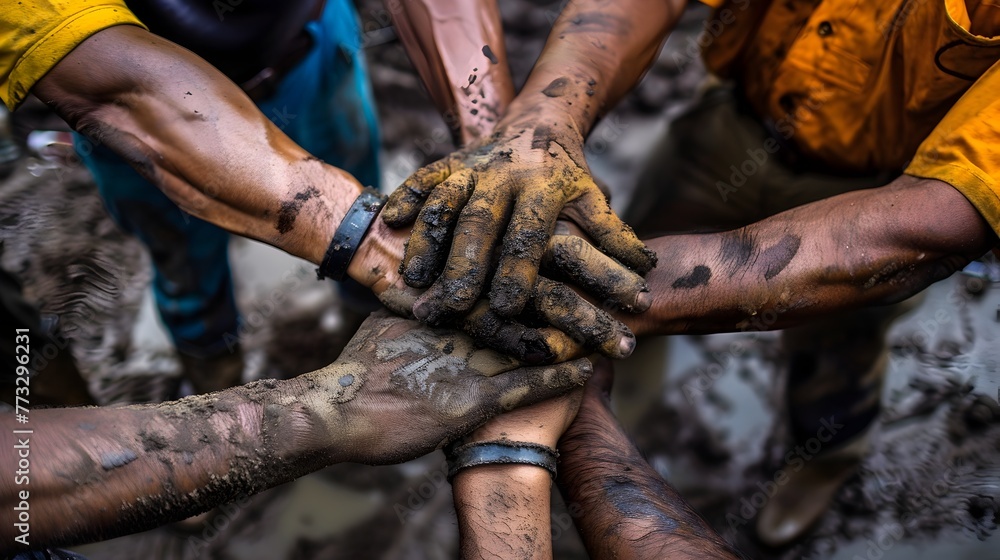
872,85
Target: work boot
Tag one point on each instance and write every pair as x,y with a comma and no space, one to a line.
806,496
217,373
831,419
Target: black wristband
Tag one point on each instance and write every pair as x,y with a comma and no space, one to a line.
501,452
349,234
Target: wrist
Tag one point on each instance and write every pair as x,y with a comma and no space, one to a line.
376,263
529,432
566,93
303,419
529,478
529,110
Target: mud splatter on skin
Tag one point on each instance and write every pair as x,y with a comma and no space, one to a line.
488,53
153,441
598,22
774,259
698,276
289,210
420,375
117,459
628,499
557,88
541,139
736,249
739,252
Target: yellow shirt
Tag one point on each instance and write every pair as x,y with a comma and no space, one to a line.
872,85
37,34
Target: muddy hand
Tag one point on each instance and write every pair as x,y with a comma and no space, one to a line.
417,388
575,325
513,184
563,324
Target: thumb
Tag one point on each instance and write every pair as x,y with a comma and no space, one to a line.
599,384
528,385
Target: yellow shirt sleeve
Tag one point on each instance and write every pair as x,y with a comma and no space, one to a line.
36,34
964,149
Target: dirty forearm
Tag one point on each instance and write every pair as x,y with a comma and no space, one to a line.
596,52
868,247
97,473
457,47
196,136
503,512
628,510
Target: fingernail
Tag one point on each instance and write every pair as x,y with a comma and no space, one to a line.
626,344
422,310
643,301
536,352
534,358
415,274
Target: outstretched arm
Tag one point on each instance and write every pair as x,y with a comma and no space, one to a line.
504,510
508,189
628,510
199,138
398,391
868,247
458,49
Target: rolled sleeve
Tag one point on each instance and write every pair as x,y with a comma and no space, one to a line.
36,35
964,149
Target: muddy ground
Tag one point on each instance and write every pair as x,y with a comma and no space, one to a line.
706,416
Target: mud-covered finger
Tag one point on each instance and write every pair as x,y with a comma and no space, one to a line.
431,236
601,277
525,344
404,203
465,273
524,243
529,385
594,328
611,235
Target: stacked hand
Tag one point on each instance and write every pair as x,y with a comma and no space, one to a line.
516,184
407,389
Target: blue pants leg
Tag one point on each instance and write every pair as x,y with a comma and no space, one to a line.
192,283
325,104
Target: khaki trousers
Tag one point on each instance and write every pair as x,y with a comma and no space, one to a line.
718,168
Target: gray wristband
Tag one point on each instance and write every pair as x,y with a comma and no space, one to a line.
349,234
501,452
